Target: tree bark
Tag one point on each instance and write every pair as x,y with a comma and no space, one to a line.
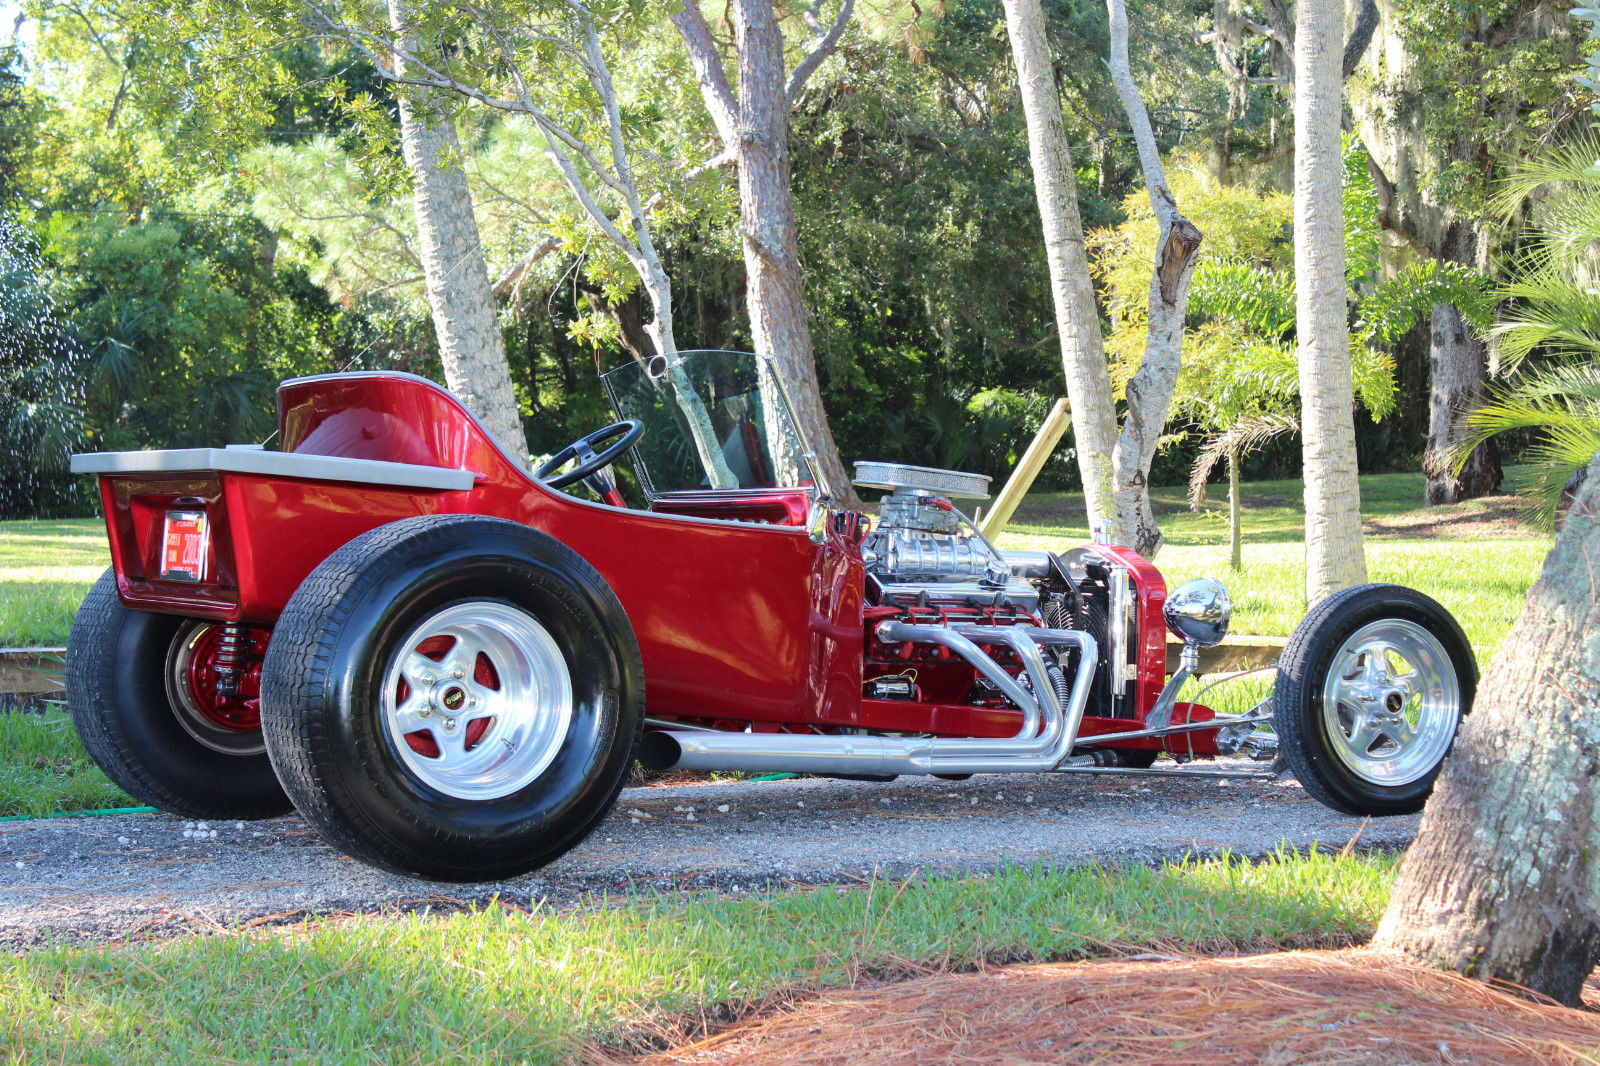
774,283
1334,557
1149,391
1503,880
1094,423
754,128
1235,536
471,346
1458,371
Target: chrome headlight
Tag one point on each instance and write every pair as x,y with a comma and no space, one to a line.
1198,612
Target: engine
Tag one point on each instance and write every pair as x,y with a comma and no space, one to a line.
924,547
927,562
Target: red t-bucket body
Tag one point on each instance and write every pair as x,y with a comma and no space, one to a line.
461,698
736,611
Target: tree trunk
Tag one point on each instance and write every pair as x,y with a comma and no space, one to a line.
1149,391
774,284
755,130
1458,368
1235,538
1334,556
471,346
1094,422
1504,877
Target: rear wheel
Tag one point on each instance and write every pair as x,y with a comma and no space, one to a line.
453,696
1370,692
168,707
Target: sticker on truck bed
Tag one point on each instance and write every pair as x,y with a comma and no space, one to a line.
183,546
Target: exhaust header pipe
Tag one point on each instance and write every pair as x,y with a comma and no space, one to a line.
1044,741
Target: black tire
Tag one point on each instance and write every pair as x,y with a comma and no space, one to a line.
1394,772
117,664
330,702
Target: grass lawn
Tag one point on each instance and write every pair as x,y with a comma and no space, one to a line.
1477,558
45,570
509,985
44,769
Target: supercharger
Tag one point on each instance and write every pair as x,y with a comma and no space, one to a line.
923,544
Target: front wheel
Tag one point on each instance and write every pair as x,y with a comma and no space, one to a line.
453,696
1370,692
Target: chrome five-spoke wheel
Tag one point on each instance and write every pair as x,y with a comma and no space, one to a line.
477,700
453,696
1391,702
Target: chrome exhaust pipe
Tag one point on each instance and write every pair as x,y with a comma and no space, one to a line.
1044,741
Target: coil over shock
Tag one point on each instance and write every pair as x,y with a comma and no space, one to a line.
232,646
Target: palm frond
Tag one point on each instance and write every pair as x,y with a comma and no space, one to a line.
1563,404
1551,313
1577,161
1245,435
1253,297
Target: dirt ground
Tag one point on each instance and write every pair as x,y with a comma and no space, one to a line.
1313,1007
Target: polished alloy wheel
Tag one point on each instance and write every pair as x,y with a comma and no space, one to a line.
1391,701
477,700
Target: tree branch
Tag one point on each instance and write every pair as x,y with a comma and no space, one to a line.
382,53
600,77
822,50
514,275
1360,38
708,72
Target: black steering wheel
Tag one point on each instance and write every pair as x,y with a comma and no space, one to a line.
624,434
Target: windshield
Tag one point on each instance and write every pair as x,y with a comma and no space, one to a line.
712,420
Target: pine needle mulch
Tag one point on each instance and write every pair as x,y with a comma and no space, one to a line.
1311,1007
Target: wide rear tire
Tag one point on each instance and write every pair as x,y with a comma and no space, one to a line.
1370,692
453,696
129,678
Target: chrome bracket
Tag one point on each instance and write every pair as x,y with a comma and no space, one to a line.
1161,714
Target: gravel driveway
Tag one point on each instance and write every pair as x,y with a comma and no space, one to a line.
152,875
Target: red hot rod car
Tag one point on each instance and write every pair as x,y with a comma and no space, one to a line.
448,666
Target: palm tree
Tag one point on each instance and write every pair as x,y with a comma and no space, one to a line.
1555,289
1334,557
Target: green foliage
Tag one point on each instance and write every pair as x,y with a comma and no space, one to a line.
1253,298
42,416
918,228
1481,82
1554,299
1239,359
1391,309
1553,313
172,341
